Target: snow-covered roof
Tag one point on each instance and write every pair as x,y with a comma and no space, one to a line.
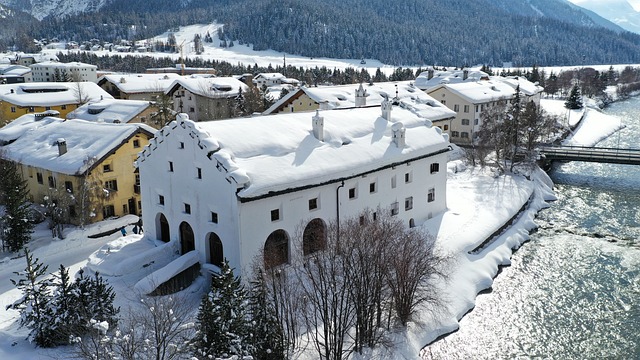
430,78
209,86
279,152
271,76
50,94
140,83
480,91
109,110
14,70
24,123
71,65
344,96
38,146
526,87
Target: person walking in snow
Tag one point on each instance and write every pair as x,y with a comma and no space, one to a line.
123,231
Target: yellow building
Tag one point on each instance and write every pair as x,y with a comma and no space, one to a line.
24,98
86,168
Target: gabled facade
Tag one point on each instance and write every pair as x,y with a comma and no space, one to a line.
205,98
240,188
20,99
66,161
470,99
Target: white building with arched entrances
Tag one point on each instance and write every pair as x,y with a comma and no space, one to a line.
245,187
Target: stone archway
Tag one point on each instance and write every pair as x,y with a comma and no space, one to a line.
162,228
187,239
276,249
314,237
216,254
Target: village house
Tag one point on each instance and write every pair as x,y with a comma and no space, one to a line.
205,98
137,86
63,97
49,71
431,78
13,74
470,99
349,96
239,188
115,111
68,161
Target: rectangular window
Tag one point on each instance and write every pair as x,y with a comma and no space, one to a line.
160,199
455,134
372,187
63,107
352,193
181,146
464,135
170,166
456,107
107,168
393,182
111,185
214,217
476,108
275,214
313,204
444,102
465,121
187,208
68,185
52,182
39,178
434,168
124,209
446,127
431,195
47,108
408,177
475,122
199,173
136,143
13,109
108,211
32,109
395,208
192,109
408,203
466,108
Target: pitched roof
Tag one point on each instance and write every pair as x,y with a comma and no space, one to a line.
209,86
87,144
275,153
448,77
109,110
140,83
50,94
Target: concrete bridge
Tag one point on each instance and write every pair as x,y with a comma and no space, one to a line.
590,154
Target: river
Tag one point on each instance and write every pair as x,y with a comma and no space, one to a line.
573,291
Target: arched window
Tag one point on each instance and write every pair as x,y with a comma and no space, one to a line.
162,228
187,241
314,237
216,255
276,249
412,223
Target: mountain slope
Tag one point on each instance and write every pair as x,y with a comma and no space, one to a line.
43,8
619,12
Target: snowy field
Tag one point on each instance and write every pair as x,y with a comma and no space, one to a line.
478,203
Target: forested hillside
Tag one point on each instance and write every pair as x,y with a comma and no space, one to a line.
408,32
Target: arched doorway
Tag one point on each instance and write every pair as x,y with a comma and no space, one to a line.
162,228
216,255
187,240
314,237
412,223
276,249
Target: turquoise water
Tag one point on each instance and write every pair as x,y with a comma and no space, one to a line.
573,291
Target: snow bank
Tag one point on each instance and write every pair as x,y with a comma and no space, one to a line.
153,280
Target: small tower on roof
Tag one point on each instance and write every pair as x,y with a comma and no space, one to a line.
361,96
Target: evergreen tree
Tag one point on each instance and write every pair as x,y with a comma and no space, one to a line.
14,190
64,310
223,329
268,336
575,99
35,309
283,93
93,299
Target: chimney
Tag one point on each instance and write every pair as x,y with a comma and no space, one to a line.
386,108
62,146
318,126
397,134
465,74
361,96
430,74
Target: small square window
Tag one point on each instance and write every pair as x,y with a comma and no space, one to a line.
63,107
431,195
181,145
275,214
160,199
13,109
136,143
408,177
187,209
372,187
170,166
107,168
408,203
434,168
352,193
214,217
313,204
